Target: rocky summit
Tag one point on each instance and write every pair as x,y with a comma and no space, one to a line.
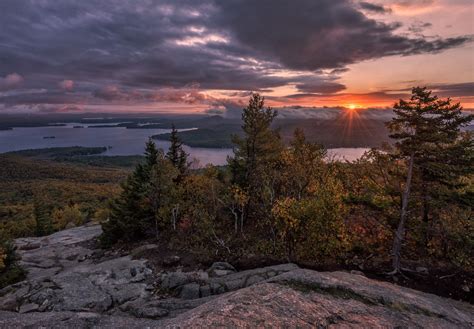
72,283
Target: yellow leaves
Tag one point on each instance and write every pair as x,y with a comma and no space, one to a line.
101,215
284,211
69,214
313,225
239,196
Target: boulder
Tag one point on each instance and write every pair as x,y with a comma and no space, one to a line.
205,291
173,280
219,273
9,303
12,296
217,288
150,312
247,278
218,269
124,293
190,291
253,280
144,309
78,293
26,308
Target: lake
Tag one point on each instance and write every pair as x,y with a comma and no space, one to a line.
121,141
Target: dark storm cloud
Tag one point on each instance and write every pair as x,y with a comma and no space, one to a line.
376,8
42,96
464,89
319,34
320,87
455,89
114,50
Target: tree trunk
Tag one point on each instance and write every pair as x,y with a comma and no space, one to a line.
174,216
400,233
426,216
157,233
236,219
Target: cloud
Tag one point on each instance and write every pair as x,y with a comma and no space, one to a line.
112,92
11,81
464,89
303,112
454,89
227,107
324,34
376,8
320,86
149,51
418,27
413,3
188,94
67,85
66,108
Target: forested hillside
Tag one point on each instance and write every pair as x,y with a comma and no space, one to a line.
25,182
345,131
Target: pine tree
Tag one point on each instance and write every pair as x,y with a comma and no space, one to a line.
131,212
177,155
255,155
428,134
43,220
164,194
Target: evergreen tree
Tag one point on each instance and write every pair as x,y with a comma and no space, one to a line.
428,134
255,155
164,194
131,212
177,155
43,220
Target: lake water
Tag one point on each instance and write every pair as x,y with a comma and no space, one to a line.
121,141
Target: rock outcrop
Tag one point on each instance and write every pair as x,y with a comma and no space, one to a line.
63,275
199,284
72,284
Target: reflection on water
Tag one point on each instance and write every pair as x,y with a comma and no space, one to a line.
121,141
346,154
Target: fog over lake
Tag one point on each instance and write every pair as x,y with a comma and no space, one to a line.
121,141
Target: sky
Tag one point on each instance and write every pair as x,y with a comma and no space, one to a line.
186,56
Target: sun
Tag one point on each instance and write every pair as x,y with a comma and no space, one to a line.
352,106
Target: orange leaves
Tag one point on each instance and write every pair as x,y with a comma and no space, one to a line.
284,212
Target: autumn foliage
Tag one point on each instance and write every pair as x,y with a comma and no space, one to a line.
291,202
